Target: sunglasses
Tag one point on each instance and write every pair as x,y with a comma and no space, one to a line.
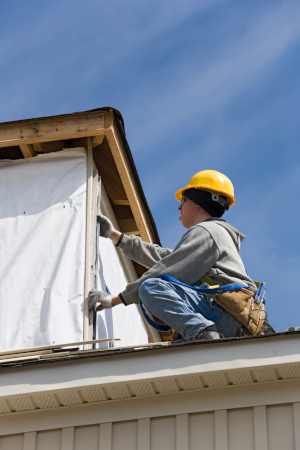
183,199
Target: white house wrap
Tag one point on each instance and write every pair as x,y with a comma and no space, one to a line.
42,245
42,256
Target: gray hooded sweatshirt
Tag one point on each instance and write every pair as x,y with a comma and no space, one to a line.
207,248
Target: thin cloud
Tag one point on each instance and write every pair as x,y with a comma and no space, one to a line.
87,46
205,92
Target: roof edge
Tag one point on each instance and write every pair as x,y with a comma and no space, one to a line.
121,127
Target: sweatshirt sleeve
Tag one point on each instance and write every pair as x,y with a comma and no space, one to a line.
192,258
142,252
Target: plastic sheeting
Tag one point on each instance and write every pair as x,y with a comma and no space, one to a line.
122,322
42,249
42,256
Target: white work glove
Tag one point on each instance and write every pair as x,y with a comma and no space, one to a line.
100,297
106,227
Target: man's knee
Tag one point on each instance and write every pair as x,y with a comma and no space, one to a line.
148,288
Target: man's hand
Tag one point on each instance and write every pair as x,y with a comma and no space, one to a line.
106,226
101,297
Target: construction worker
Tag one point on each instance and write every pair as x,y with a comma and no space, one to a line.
209,247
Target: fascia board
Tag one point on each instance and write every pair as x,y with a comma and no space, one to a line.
143,366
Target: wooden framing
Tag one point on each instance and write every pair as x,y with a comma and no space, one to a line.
128,226
27,150
90,247
121,202
51,129
126,175
97,140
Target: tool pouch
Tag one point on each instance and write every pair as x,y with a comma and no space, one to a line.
242,306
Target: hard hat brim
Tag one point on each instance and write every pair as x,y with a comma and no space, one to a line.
231,199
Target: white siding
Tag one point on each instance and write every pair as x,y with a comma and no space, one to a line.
259,428
280,427
124,435
163,433
202,431
86,438
241,429
12,442
48,440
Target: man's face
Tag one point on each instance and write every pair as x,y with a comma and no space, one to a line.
188,212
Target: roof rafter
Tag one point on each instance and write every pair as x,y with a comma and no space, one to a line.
27,150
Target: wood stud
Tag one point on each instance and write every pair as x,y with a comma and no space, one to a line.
97,140
90,212
121,202
128,226
27,150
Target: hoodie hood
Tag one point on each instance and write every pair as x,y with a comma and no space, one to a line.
229,267
235,235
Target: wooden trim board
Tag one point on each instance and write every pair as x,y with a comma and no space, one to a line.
56,346
128,181
27,150
51,129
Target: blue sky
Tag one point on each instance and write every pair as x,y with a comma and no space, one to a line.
201,84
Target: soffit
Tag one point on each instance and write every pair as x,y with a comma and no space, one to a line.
133,374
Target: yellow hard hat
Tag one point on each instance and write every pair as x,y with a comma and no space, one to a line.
211,180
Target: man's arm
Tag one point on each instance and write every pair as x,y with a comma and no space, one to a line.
192,258
143,253
115,236
147,257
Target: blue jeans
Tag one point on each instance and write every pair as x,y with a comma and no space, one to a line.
184,310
